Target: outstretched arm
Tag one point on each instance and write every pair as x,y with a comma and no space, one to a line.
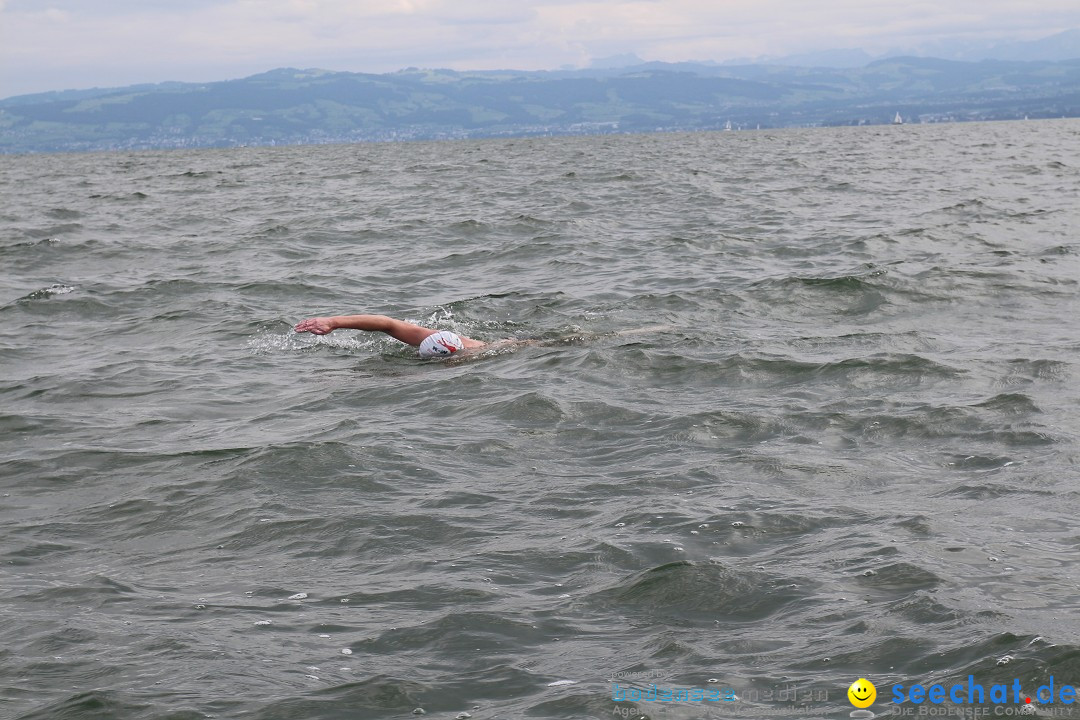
404,331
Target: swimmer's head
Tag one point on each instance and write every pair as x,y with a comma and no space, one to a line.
440,344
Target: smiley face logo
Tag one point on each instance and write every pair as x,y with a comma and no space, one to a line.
862,693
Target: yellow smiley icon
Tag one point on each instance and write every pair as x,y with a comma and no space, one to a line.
862,693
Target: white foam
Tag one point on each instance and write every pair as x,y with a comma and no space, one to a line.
271,342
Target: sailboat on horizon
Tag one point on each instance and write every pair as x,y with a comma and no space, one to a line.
898,120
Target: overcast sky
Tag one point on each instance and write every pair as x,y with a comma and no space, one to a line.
60,44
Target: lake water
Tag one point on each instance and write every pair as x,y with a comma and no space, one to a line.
804,409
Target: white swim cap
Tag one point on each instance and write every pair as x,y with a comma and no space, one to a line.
440,344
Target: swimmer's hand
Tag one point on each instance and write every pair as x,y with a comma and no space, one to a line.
317,326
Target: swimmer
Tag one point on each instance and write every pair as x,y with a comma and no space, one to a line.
430,343
436,343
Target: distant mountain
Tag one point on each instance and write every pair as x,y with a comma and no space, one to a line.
1063,46
1055,48
828,58
616,61
289,106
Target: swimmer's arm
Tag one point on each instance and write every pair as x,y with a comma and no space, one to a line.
406,332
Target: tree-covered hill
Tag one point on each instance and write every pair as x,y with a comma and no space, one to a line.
303,106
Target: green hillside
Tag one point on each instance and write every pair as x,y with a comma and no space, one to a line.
289,106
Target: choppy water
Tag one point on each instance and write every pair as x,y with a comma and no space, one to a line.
851,450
